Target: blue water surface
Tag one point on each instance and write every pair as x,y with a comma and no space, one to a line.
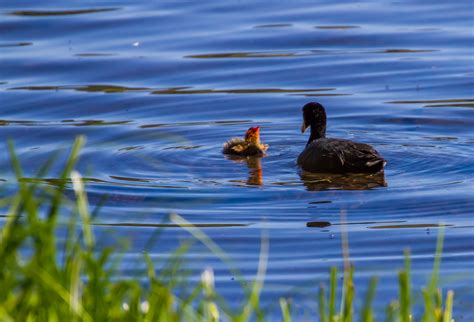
158,86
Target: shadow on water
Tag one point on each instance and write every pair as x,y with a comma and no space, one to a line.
63,122
151,225
354,181
17,44
43,13
341,27
95,55
275,25
397,224
282,54
461,102
179,90
247,55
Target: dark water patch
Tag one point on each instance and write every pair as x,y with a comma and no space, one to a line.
150,225
319,182
129,179
318,224
274,25
37,88
367,223
86,88
319,201
441,138
246,55
99,123
410,226
17,122
132,148
403,51
337,27
95,55
181,90
468,105
236,91
108,89
183,147
61,123
45,13
322,94
18,44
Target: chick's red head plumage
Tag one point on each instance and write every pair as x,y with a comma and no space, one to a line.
253,134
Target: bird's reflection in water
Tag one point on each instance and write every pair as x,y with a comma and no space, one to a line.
347,181
255,174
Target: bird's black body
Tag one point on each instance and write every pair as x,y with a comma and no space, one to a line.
334,155
340,156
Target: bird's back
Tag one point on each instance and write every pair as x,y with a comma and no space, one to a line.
238,146
339,156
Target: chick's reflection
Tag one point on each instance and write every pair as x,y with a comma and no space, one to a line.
254,165
348,181
255,171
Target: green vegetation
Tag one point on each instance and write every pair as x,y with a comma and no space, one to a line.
47,278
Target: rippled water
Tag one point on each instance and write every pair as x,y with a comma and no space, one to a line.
158,87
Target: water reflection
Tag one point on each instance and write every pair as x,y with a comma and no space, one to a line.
275,25
318,224
43,13
152,225
63,122
341,27
351,181
178,90
254,165
459,102
17,44
248,55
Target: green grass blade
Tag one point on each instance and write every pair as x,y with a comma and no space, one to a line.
348,297
404,286
70,163
285,310
367,311
50,282
448,311
83,208
332,294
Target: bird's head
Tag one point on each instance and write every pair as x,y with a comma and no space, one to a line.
313,115
253,135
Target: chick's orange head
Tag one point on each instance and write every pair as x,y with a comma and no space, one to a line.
253,134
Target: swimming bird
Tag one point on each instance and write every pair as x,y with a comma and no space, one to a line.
249,146
334,155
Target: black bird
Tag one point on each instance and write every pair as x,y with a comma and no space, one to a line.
334,155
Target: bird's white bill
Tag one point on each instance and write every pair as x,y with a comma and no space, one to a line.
303,126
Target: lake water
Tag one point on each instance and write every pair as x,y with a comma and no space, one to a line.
158,86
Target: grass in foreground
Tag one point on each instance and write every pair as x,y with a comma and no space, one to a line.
44,280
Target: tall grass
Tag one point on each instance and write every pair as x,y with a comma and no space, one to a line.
43,279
